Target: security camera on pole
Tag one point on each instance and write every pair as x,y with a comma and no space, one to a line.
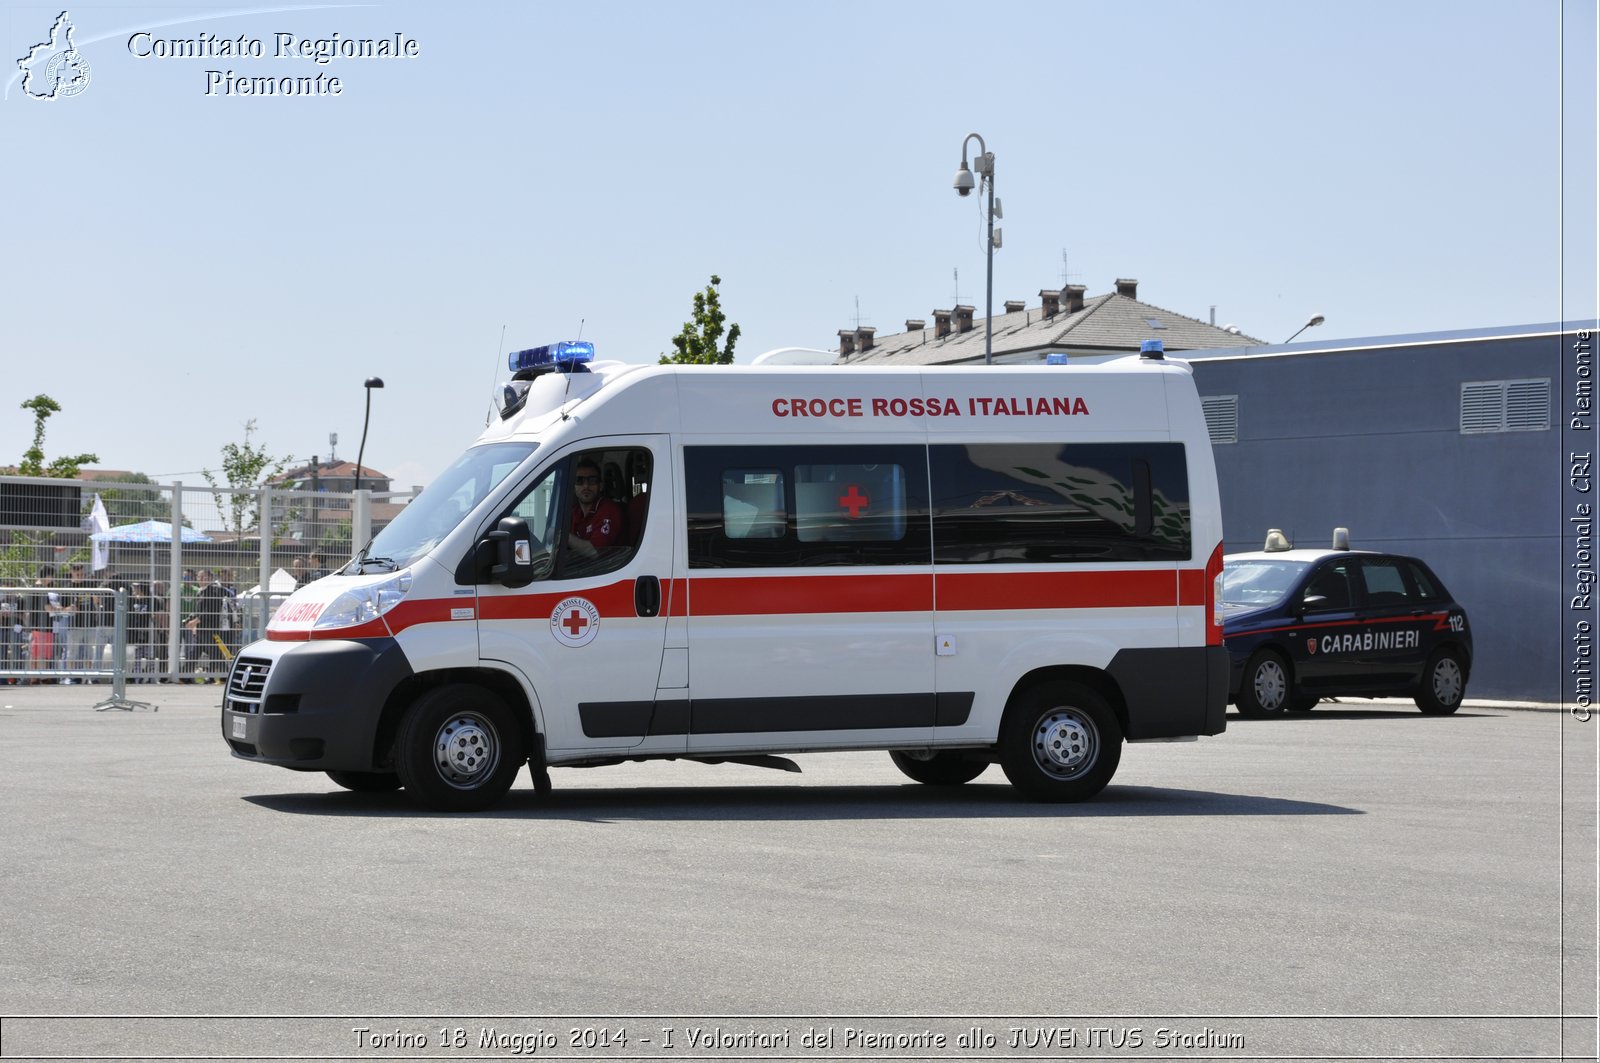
984,164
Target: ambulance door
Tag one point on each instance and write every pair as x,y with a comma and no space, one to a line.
589,635
810,596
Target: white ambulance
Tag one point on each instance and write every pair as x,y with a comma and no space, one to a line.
961,566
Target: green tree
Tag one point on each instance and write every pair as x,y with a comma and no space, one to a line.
697,343
246,466
33,463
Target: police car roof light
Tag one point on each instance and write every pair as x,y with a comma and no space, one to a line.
562,353
1152,349
1341,538
1277,542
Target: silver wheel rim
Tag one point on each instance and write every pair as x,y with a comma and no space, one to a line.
1065,743
1447,681
466,750
1271,686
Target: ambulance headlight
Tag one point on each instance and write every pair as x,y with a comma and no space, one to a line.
360,605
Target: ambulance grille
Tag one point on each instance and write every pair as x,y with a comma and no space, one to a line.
246,683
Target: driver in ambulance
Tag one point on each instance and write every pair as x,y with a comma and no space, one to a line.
596,519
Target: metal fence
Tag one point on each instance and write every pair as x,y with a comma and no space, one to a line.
202,571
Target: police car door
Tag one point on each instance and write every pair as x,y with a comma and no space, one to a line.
588,637
1323,657
1394,641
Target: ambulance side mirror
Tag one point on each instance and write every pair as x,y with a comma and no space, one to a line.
517,558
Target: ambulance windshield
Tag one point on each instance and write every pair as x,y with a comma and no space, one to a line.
437,511
1259,582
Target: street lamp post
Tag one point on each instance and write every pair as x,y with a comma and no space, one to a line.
984,164
1316,319
372,382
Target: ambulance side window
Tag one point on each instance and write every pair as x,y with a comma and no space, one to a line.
806,506
1016,503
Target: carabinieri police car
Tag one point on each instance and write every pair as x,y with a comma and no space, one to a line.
1302,625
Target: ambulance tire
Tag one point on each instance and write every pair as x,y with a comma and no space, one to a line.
1266,688
459,749
1060,741
366,782
944,767
1444,684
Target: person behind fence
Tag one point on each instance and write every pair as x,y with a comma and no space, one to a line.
104,627
210,611
183,598
39,622
61,630
82,611
138,633
160,620
11,633
319,567
302,575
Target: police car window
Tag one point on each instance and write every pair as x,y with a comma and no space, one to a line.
806,506
1385,583
1006,503
1331,585
1259,582
1427,589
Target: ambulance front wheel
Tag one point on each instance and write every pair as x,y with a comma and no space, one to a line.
366,782
1266,688
1060,742
459,749
1444,684
944,767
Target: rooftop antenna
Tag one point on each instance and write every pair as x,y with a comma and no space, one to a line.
333,442
1066,277
496,378
956,275
581,322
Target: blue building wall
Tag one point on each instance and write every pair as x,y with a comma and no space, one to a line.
1369,438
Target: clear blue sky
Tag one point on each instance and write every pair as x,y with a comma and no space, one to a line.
181,263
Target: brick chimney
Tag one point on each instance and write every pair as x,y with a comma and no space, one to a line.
1052,302
1014,306
915,324
963,319
941,324
1074,297
864,338
847,341
1128,286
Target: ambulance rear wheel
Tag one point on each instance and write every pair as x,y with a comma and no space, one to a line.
1265,689
1060,742
944,767
1444,684
366,782
459,749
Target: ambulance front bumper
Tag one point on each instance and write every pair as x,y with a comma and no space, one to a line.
313,706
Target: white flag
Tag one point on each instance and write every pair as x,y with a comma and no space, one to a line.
101,551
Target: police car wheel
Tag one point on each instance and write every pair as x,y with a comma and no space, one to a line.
1444,684
459,749
1060,741
1265,689
366,782
945,767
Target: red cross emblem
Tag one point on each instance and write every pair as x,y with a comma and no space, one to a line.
575,623
854,501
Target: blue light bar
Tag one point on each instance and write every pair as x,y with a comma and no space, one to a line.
1055,358
551,354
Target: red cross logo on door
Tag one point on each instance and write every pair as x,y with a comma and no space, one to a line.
854,501
575,623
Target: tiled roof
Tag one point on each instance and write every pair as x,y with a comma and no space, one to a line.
1109,324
